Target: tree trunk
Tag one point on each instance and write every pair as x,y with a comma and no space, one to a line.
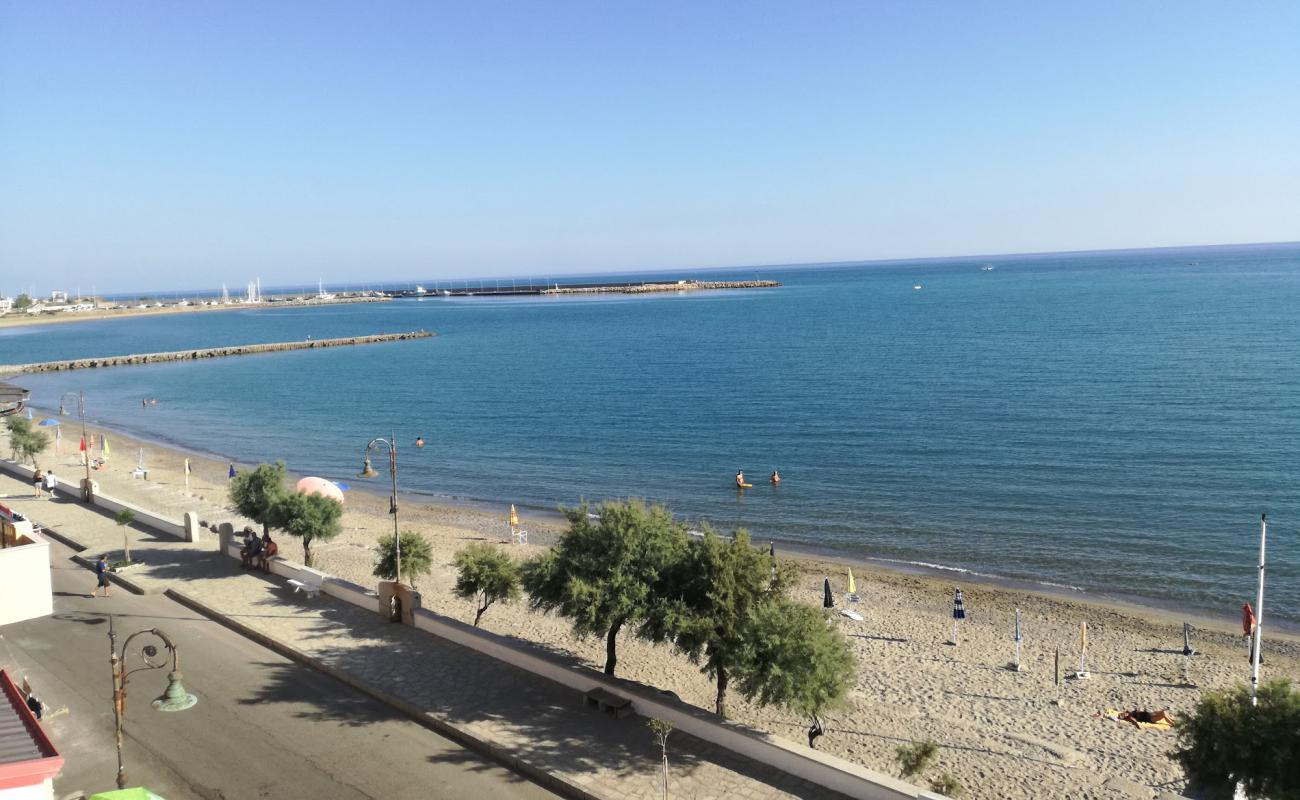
814,731
306,552
610,642
479,615
721,706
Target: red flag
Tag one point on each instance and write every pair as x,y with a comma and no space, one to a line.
1247,620
83,444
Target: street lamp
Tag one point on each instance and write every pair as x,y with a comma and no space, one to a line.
175,698
369,472
80,397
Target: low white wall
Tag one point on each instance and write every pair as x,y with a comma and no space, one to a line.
25,590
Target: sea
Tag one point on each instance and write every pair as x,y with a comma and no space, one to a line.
1110,423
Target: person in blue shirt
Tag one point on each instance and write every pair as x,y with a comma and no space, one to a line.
101,576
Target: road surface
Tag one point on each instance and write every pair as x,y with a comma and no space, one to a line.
264,726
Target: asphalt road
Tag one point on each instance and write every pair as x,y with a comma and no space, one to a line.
264,726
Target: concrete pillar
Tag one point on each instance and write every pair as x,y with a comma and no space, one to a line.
406,597
192,526
225,537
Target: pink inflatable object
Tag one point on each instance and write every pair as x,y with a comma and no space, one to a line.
321,487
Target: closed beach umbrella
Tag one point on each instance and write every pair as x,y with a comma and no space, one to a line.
321,487
853,586
958,612
514,516
1247,620
103,448
771,549
231,474
828,599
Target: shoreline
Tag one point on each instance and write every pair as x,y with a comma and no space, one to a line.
18,319
551,521
999,730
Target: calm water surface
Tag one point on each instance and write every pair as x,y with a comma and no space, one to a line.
1115,422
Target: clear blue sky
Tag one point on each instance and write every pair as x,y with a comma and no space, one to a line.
180,145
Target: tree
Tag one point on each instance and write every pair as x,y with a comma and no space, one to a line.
485,574
604,572
124,518
256,493
795,660
310,517
1226,741
707,608
25,441
660,729
22,301
417,557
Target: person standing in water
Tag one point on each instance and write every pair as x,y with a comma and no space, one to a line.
776,478
740,479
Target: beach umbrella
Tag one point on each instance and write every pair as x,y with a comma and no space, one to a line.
1083,650
853,587
514,516
231,474
343,487
103,448
771,549
958,612
1259,612
828,599
321,487
47,422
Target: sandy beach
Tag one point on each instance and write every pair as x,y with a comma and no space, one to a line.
19,319
1001,733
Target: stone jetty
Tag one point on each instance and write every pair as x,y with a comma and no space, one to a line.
672,286
211,352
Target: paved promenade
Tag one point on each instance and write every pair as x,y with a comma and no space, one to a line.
539,723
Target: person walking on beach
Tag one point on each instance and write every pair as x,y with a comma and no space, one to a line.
38,482
101,576
50,482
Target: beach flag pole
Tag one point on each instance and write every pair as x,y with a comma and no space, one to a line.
1259,612
1015,665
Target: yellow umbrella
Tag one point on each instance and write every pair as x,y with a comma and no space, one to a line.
514,516
853,587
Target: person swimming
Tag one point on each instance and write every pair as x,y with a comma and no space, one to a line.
419,441
776,478
740,479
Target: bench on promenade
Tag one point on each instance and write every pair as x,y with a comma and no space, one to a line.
608,702
308,587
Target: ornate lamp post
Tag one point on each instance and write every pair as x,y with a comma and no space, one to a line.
369,472
175,698
80,397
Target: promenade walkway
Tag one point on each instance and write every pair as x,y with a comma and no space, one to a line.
535,721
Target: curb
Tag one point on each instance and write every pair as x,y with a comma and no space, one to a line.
129,585
483,747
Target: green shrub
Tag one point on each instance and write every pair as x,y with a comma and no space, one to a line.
1226,741
915,757
946,785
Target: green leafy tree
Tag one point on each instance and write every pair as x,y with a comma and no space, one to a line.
660,730
310,517
485,575
417,557
255,493
708,605
17,426
25,440
124,518
604,572
22,301
1226,741
915,757
795,660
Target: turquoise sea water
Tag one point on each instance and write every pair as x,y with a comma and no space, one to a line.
1115,422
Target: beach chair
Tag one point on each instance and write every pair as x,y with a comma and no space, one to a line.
518,536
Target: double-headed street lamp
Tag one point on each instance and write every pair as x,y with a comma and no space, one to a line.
80,397
174,699
369,472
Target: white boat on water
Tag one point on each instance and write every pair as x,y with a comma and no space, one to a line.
917,287
987,268
321,294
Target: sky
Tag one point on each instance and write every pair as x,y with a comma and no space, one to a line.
162,145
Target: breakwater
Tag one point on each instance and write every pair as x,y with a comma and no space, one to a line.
498,289
210,352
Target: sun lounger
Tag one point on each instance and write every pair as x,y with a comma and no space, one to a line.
309,588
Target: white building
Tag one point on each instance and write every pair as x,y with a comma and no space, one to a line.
6,305
58,297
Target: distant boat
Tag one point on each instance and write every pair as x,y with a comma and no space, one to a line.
918,286
987,268
321,294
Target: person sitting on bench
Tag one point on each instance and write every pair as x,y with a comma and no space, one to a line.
268,551
252,547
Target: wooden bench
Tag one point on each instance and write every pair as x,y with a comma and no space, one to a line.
608,702
309,588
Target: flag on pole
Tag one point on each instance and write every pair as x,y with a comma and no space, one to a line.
83,444
514,516
103,446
